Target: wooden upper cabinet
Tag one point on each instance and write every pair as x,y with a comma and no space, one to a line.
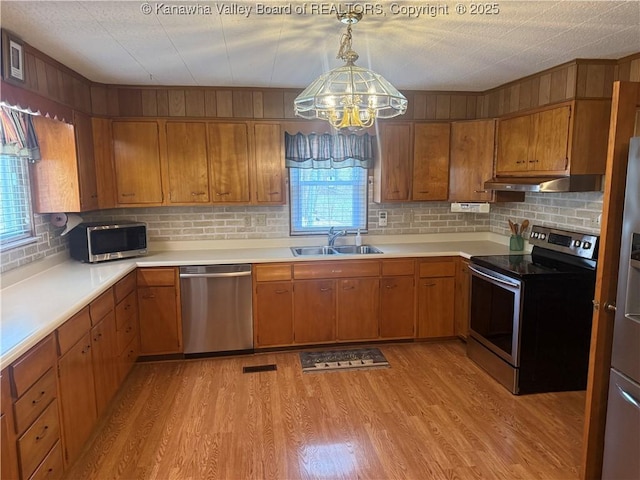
187,162
136,155
55,177
103,156
471,160
431,161
393,169
269,169
514,151
86,162
229,162
570,138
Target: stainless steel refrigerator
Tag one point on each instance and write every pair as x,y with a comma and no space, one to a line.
622,436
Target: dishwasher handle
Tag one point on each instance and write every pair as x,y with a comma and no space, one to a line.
215,275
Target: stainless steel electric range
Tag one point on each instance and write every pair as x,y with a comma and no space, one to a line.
530,315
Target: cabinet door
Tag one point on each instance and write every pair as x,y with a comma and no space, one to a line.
54,179
86,162
105,361
397,307
471,160
358,308
436,307
274,313
103,158
463,286
187,162
430,161
269,170
229,162
8,461
514,144
393,168
159,321
136,155
77,396
550,142
314,306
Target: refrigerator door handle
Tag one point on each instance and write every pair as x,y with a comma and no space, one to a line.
628,397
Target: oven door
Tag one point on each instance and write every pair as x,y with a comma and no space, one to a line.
496,312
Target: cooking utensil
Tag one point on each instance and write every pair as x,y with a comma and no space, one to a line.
512,228
525,225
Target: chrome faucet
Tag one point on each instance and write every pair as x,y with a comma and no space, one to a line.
332,235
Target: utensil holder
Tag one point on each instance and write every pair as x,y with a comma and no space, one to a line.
516,243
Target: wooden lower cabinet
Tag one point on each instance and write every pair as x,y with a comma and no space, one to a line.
314,311
357,308
105,361
463,292
9,457
77,397
273,311
159,311
397,307
436,298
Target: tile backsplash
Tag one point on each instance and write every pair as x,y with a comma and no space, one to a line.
572,211
48,242
577,211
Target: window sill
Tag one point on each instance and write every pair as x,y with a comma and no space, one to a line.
18,243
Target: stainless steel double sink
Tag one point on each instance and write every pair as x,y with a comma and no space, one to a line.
335,250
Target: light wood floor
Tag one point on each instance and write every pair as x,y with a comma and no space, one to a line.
434,414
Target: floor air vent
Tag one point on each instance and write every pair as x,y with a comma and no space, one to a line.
260,368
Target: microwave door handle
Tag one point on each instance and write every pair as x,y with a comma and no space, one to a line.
628,397
494,279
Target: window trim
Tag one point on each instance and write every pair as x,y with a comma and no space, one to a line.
29,237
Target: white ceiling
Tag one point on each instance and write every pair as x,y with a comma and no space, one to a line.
114,42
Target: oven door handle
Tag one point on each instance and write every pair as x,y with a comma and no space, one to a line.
494,279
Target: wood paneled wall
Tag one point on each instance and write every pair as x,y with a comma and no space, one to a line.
573,80
629,69
253,103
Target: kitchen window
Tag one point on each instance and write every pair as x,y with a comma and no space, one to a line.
18,146
328,176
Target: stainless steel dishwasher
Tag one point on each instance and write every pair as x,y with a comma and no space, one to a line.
216,308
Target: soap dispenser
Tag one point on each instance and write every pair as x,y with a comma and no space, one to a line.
358,239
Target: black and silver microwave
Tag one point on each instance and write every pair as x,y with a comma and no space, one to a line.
93,242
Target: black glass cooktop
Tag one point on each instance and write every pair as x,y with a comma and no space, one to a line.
534,264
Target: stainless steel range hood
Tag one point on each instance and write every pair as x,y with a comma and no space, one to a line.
572,183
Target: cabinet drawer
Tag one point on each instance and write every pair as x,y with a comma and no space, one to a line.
32,403
126,309
73,330
336,269
51,467
5,392
438,269
156,277
38,440
272,273
101,306
125,333
125,286
32,365
398,267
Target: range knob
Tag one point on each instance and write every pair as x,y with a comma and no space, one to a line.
586,245
577,243
543,236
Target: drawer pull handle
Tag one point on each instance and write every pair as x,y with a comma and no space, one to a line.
148,296
128,329
128,195
222,194
429,284
86,349
480,191
424,191
326,289
274,193
282,291
336,271
195,194
37,400
520,161
349,288
44,432
391,286
97,337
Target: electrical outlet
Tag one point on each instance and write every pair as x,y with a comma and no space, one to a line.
261,220
382,218
595,221
247,220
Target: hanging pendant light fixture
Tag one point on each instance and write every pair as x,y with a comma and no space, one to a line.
350,96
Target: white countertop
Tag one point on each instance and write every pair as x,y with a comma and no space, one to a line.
35,306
